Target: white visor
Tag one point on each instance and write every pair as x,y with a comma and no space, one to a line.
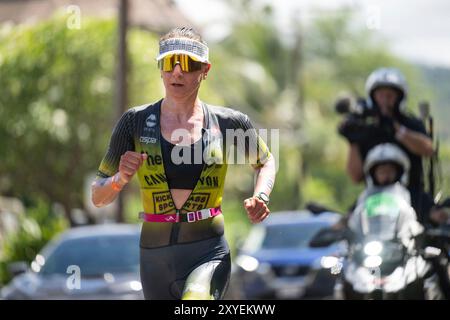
199,51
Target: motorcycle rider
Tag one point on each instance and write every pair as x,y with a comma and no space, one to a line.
386,170
387,92
386,166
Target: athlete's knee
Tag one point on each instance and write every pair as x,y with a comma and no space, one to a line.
205,282
197,291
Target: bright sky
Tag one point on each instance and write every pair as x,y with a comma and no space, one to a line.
417,30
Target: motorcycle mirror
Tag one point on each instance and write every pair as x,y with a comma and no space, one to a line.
325,237
316,208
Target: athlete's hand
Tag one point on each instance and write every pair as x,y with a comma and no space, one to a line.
256,209
130,162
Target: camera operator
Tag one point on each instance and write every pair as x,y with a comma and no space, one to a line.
383,119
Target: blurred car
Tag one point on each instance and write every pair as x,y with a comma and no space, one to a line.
90,262
276,261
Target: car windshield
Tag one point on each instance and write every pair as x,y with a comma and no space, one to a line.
283,236
95,256
290,235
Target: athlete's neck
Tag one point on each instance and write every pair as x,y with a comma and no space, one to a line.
181,109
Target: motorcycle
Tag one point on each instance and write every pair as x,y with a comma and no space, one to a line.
384,257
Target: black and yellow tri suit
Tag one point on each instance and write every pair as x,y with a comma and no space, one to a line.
139,130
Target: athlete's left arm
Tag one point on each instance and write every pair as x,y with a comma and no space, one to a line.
265,176
415,141
256,209
264,165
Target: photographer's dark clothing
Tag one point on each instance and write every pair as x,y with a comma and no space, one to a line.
411,123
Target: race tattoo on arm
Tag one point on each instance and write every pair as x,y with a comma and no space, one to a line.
269,184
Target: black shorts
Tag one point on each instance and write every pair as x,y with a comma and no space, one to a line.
188,271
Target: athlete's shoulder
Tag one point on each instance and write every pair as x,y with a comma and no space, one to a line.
145,108
139,114
227,113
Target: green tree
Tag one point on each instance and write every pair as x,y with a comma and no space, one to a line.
293,86
57,104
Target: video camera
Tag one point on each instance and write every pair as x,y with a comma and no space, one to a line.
356,107
362,121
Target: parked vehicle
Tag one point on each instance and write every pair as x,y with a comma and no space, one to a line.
91,262
276,262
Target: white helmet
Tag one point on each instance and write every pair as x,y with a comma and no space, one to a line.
385,153
387,77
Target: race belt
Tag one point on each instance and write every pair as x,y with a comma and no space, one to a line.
181,217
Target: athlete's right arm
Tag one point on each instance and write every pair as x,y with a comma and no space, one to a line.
119,164
105,190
